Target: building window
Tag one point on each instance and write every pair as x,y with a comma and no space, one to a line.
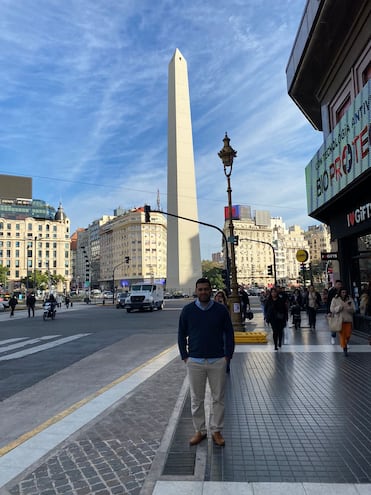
342,109
341,103
29,226
363,68
366,74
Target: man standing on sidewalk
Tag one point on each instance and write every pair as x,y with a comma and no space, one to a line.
206,344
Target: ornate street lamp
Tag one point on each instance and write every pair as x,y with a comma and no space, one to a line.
227,154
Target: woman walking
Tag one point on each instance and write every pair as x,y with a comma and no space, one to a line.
313,302
344,304
276,316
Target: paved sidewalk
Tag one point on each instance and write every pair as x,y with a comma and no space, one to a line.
297,422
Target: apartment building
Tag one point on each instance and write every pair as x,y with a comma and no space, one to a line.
133,250
34,237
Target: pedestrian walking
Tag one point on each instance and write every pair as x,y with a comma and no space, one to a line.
333,291
13,301
206,343
276,316
245,303
312,303
31,302
67,301
342,303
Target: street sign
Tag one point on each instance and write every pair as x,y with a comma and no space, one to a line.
302,255
328,256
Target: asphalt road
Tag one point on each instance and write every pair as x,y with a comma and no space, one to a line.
47,366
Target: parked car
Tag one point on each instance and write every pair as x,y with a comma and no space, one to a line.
107,294
121,297
5,302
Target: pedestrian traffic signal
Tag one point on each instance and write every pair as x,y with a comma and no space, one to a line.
127,259
270,270
235,240
147,213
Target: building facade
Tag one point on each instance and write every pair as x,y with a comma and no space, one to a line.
266,245
132,250
34,237
337,102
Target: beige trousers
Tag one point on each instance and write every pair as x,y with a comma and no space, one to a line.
198,375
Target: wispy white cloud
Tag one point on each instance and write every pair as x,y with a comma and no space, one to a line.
84,103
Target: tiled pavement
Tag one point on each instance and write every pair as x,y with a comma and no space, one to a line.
298,422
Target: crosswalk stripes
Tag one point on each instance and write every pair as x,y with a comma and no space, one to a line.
25,342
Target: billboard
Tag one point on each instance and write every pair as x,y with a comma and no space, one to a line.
344,156
236,215
14,187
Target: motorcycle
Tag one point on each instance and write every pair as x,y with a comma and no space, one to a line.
49,311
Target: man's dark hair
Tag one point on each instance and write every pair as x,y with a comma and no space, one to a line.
203,280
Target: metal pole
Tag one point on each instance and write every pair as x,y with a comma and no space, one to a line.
234,298
273,252
227,266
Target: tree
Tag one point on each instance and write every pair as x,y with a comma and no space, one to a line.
3,276
213,271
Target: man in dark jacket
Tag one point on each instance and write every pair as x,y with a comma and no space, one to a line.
206,344
30,302
12,304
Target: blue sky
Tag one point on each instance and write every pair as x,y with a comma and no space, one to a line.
84,103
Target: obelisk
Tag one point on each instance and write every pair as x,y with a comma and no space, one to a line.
183,239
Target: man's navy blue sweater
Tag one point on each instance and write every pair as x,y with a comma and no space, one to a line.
205,334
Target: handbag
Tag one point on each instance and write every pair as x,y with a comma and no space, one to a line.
249,315
335,322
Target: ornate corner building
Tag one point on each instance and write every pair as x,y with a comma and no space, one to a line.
34,237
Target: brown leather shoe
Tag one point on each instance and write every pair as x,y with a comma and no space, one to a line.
197,438
218,439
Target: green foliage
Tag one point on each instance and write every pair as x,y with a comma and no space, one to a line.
213,271
3,275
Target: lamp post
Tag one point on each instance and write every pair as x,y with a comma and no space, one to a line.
227,154
87,272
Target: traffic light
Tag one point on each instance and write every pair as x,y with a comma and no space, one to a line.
270,270
147,213
127,259
225,278
235,240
